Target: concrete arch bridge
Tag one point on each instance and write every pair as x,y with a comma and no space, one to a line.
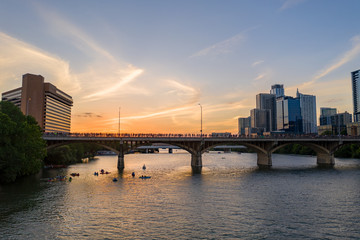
197,145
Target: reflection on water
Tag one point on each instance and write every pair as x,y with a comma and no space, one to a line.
231,198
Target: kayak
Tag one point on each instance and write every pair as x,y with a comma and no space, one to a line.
144,177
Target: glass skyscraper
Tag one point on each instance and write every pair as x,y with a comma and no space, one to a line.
308,112
356,94
288,114
266,101
278,90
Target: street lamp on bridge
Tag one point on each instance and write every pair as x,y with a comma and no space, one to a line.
119,122
200,120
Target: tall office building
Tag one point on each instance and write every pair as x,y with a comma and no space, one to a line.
260,118
278,90
325,115
308,112
266,101
288,114
355,80
244,123
50,106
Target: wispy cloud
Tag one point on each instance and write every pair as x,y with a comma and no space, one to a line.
222,47
89,115
290,3
260,76
346,57
167,112
114,88
18,58
257,63
184,90
107,74
58,25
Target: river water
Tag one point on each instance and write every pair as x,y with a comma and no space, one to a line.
230,199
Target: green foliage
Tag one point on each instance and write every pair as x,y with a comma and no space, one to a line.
296,149
348,151
343,132
72,153
327,133
21,147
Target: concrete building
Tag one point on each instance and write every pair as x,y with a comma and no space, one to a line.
278,90
50,106
353,129
266,101
325,115
339,123
308,112
288,115
243,123
260,118
322,130
355,81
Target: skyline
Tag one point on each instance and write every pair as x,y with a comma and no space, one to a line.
158,60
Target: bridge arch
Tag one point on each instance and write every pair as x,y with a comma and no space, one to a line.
263,155
52,146
324,152
182,146
248,145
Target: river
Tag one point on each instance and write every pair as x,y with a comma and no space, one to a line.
230,199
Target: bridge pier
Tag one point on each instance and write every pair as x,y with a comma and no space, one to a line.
325,159
264,160
121,162
196,161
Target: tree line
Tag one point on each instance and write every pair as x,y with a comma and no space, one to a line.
22,149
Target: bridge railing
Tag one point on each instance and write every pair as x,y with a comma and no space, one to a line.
191,135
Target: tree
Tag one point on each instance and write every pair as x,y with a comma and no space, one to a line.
21,147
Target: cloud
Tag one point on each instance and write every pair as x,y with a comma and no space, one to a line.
167,112
347,57
257,63
177,88
114,88
183,90
260,76
290,3
89,115
107,74
58,25
18,58
222,47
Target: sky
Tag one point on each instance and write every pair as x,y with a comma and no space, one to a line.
157,64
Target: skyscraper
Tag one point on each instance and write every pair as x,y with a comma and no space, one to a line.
244,123
355,80
266,101
50,106
325,115
260,118
289,115
278,90
308,112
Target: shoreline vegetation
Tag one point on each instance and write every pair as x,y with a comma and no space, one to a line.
71,154
23,151
22,148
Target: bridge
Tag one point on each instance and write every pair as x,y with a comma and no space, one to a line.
196,145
